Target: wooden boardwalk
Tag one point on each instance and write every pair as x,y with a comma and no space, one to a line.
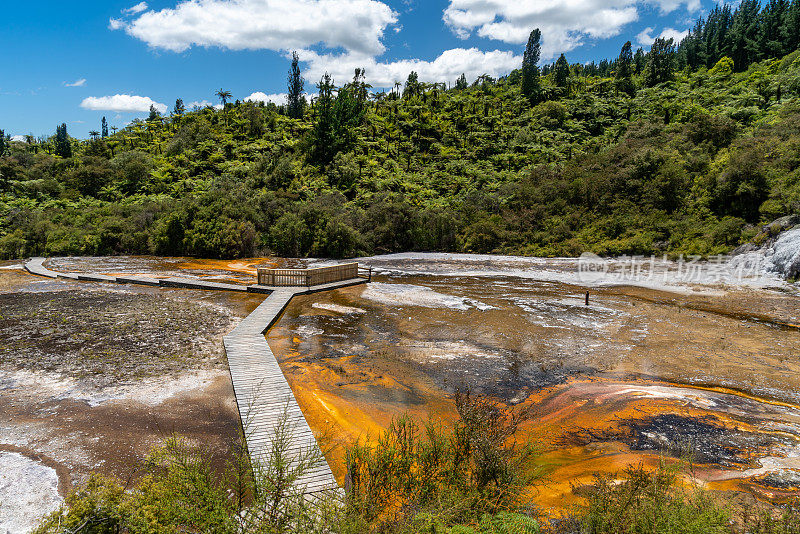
263,395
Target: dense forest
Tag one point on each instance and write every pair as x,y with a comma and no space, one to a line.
687,148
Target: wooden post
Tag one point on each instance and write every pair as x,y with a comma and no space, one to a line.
587,298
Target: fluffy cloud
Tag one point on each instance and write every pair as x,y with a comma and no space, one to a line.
18,138
677,36
354,25
258,96
645,37
565,24
447,67
122,103
76,83
138,8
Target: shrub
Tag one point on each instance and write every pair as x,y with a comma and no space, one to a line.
455,477
179,491
646,502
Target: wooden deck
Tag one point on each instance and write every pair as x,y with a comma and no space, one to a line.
262,392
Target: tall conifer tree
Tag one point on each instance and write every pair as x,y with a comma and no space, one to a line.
624,72
63,147
295,101
531,87
660,62
561,72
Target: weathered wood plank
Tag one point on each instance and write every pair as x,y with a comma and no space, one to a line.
263,395
36,266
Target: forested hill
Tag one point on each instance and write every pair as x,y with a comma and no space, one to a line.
645,154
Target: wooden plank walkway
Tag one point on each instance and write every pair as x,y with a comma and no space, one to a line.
36,266
263,394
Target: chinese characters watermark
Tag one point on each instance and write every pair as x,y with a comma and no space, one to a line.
684,269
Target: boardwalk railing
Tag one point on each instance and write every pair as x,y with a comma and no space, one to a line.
307,277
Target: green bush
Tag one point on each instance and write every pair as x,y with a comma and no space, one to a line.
455,477
648,502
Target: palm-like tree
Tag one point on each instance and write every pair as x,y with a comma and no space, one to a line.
223,96
94,134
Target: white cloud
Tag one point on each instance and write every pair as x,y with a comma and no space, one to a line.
258,96
122,103
116,24
565,24
138,8
76,83
354,25
19,138
447,67
645,37
677,36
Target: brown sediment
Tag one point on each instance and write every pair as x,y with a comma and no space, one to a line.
775,311
114,437
11,279
88,377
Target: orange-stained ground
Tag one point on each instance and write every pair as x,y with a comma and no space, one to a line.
636,357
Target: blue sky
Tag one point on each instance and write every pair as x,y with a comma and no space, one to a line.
76,62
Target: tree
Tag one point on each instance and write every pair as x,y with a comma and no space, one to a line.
295,99
104,128
94,134
63,147
531,87
461,82
349,109
223,96
743,36
154,113
323,133
561,72
772,27
624,72
793,26
660,66
3,143
413,87
179,108
639,60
